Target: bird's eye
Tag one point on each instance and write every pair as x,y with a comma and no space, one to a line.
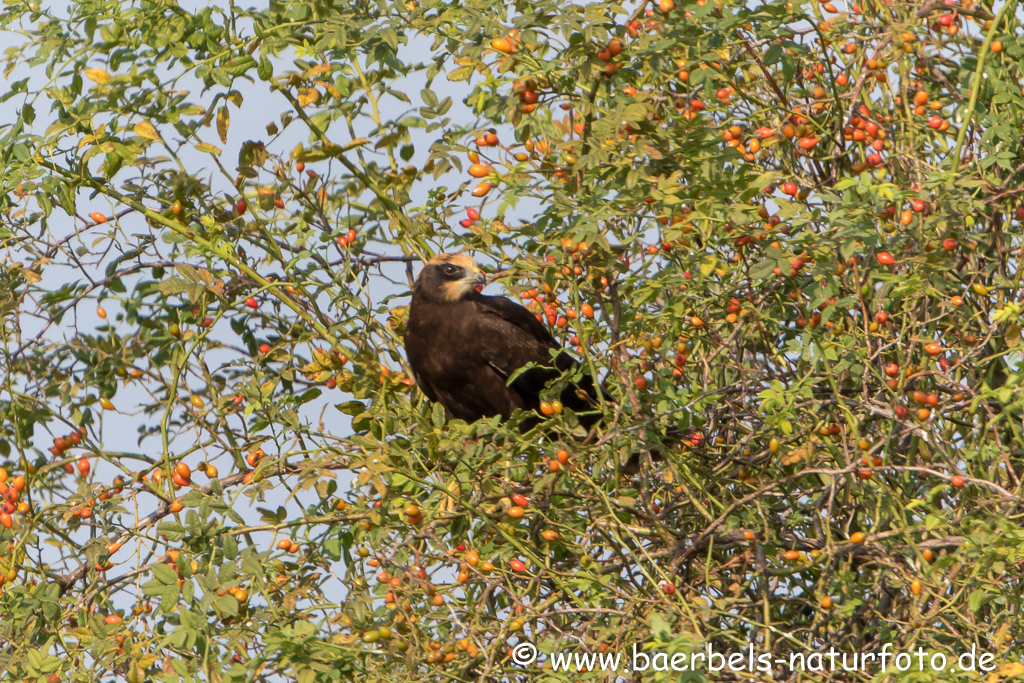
450,269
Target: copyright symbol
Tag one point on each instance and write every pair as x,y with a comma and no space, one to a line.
524,654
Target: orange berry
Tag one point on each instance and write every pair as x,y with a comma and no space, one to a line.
501,45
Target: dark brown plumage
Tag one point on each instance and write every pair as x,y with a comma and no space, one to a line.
463,347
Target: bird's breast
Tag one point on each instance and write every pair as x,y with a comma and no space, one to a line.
436,340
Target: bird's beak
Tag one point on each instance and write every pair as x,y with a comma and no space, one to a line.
479,279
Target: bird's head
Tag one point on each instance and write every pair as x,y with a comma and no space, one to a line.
450,278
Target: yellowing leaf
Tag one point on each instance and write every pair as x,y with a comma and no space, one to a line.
1012,335
314,372
449,503
707,264
461,74
1000,636
793,457
396,321
329,88
208,148
798,454
205,276
1006,671
318,70
144,129
98,76
223,121
308,96
323,365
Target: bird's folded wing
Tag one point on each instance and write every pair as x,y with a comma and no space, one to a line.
511,338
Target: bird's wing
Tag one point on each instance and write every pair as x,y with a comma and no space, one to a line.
517,316
511,338
514,338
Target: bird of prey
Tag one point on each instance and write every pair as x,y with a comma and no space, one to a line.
464,348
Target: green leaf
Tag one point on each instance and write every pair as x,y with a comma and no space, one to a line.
978,598
660,628
762,269
437,416
352,408
332,548
230,547
265,70
164,574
